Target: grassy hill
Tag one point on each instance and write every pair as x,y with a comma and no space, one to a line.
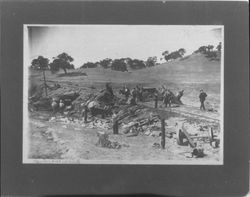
191,73
195,68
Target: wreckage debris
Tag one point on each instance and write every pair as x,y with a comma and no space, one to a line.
132,120
134,131
198,152
184,138
215,143
103,141
156,145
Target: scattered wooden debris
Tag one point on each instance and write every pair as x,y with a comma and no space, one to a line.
103,141
198,152
156,145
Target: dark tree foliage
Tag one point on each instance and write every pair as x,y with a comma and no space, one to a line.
210,47
55,65
62,61
202,49
42,64
119,65
205,49
89,65
151,61
106,63
181,51
173,55
136,64
211,55
209,52
165,53
71,66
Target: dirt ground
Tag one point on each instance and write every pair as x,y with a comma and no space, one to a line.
58,138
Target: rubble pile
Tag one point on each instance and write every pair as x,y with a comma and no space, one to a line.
132,120
103,141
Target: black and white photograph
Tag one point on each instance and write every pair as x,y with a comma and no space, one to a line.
123,94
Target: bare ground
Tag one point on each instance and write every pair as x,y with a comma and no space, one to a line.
76,141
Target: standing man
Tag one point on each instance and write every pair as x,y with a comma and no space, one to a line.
61,106
126,92
166,98
134,93
54,105
109,89
202,97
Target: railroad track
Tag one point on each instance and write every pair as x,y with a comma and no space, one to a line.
187,111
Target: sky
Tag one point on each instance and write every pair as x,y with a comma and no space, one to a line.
91,43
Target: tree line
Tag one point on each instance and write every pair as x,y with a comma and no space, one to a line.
209,51
62,61
168,56
122,64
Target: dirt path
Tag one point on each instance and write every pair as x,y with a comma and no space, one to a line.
190,111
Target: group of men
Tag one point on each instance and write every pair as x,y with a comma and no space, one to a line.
61,105
167,98
133,96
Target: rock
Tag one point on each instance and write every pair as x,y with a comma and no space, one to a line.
147,132
52,118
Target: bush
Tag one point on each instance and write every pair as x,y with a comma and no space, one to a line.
119,65
89,65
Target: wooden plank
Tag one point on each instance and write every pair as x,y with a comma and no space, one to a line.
188,137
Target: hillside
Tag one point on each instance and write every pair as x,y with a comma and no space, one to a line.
192,73
194,69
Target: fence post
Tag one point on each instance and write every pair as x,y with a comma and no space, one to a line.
85,113
115,126
156,101
163,133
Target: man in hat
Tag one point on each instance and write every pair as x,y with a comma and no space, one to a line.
167,98
61,106
202,97
54,105
109,89
126,92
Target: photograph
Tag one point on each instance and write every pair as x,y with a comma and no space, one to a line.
123,94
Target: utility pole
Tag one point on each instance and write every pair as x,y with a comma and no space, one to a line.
45,85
